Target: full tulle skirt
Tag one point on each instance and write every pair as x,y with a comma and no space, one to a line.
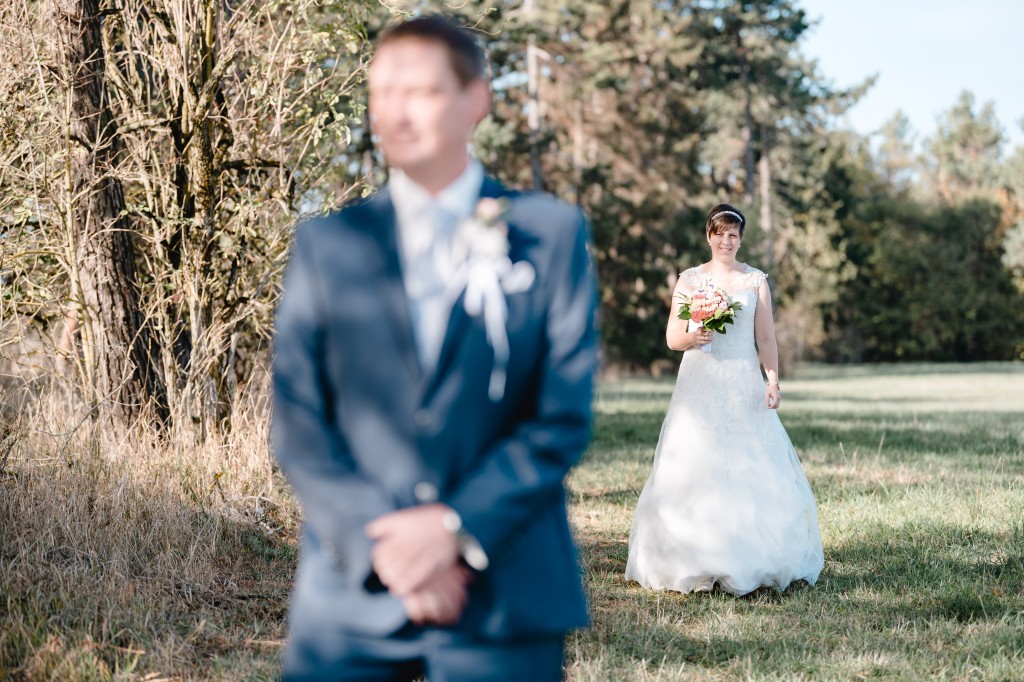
727,500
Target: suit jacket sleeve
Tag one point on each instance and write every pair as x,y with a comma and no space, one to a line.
524,472
336,499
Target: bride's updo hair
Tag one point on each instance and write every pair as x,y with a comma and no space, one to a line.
724,216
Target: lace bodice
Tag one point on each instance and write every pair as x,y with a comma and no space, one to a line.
742,286
747,278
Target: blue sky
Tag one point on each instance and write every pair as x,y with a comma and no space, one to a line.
925,52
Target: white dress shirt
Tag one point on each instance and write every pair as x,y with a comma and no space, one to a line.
426,225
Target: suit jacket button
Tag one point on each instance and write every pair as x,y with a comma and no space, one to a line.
422,418
425,492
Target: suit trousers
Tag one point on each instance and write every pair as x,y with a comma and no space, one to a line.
413,653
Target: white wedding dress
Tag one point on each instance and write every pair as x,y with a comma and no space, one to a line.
727,500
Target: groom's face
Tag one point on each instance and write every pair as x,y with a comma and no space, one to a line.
419,110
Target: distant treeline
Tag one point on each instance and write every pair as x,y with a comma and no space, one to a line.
155,156
879,248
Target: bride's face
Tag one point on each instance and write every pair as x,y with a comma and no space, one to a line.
726,243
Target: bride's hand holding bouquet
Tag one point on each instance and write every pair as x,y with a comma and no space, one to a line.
710,307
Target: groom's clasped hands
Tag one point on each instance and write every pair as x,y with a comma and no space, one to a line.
417,558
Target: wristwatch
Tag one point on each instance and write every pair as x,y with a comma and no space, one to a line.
469,548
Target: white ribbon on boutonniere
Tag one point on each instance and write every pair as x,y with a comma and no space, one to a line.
487,275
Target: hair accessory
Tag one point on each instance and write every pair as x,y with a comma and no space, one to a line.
732,213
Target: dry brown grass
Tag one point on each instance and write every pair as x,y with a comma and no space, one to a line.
129,559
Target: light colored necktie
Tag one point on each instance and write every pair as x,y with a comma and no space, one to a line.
429,275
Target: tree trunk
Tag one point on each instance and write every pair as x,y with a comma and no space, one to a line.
577,151
748,130
765,175
533,114
532,91
120,370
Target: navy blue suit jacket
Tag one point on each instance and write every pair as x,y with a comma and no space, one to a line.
361,430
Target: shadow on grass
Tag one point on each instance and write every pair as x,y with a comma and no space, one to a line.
614,429
819,372
612,397
898,438
953,581
618,496
931,559
797,397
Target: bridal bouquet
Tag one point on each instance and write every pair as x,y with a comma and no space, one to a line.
709,306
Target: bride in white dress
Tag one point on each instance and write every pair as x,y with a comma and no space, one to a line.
727,501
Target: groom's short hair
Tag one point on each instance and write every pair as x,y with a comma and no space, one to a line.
466,56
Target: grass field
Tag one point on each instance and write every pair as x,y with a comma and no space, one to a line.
174,563
919,476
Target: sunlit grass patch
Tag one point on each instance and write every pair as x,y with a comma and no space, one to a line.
919,476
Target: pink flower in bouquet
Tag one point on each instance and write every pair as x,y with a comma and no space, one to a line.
710,306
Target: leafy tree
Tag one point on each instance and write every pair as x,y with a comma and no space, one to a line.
1013,213
964,153
640,126
895,157
929,285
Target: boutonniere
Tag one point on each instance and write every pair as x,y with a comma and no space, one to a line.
484,233
482,244
487,275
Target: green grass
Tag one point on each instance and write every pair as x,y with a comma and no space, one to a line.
919,476
148,565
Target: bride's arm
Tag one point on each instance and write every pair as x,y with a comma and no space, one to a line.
767,346
676,335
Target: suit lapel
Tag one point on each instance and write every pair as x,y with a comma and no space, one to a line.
458,320
394,301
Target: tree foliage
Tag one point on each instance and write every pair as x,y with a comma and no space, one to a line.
651,113
934,262
228,121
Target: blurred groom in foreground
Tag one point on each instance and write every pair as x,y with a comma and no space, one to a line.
434,360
